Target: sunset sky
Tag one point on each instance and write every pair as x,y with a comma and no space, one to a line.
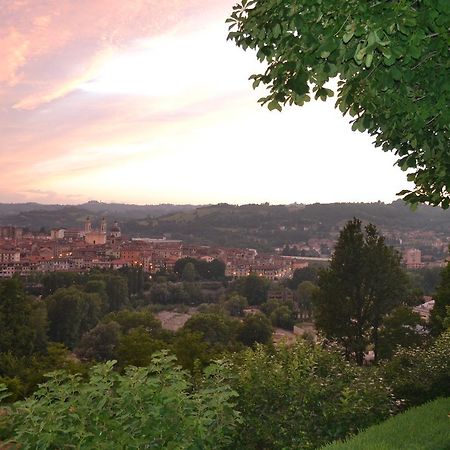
144,101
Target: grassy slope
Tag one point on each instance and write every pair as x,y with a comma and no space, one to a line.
424,428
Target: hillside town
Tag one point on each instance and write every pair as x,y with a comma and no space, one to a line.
70,249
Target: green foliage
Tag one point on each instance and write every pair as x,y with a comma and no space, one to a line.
192,351
189,273
426,280
151,407
401,328
100,343
216,329
22,374
420,374
186,293
55,280
300,397
23,320
253,288
72,312
214,270
392,63
422,428
300,275
128,320
135,279
159,294
255,329
304,295
137,347
283,317
363,283
442,302
117,292
282,313
235,305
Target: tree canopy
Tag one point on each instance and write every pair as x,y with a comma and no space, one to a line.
392,62
363,283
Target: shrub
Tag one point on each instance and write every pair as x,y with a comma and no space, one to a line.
420,374
303,396
151,407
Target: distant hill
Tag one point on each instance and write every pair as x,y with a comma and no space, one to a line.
36,216
267,226
260,226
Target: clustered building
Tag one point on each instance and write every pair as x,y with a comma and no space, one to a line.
73,249
66,249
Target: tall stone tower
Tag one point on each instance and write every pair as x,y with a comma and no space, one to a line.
103,226
87,225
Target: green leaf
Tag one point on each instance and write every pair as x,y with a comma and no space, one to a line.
276,31
347,36
274,105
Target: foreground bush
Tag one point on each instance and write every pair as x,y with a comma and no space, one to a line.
423,428
152,407
304,396
420,374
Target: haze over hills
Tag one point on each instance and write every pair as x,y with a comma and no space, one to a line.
36,215
261,226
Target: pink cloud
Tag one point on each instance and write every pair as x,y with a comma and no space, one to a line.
42,31
13,54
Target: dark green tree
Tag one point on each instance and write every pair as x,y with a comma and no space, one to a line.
72,312
137,347
216,329
216,269
441,302
55,280
363,283
235,305
100,343
192,351
301,275
181,263
189,273
159,294
117,291
304,295
255,329
283,317
392,63
134,319
23,320
254,288
402,327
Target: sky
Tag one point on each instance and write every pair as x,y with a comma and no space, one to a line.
146,102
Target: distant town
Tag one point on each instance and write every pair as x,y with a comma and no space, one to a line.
104,246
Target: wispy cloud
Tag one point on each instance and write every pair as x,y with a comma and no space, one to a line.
145,101
44,30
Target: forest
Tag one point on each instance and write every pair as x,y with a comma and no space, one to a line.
85,361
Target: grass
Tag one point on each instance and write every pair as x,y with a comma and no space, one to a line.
426,427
